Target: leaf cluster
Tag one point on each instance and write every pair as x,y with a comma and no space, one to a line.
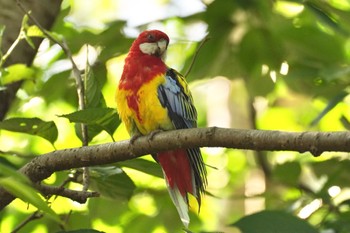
284,52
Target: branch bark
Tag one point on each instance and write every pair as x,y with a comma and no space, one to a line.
316,143
78,196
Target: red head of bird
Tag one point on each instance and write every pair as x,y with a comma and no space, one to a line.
152,43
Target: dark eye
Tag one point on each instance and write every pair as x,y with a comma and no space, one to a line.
151,37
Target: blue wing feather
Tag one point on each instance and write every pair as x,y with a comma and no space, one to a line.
176,98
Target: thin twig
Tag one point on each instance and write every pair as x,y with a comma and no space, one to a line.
78,196
205,39
34,216
86,178
12,47
65,220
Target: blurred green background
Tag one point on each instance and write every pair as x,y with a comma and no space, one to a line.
276,65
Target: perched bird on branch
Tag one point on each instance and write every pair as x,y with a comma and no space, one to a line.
152,97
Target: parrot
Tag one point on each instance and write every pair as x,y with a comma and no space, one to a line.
152,97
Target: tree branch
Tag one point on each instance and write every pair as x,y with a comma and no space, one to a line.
78,196
315,142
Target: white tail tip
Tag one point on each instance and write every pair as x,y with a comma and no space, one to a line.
181,204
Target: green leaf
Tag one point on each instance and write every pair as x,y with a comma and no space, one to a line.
33,126
325,17
273,222
77,37
91,116
143,165
216,57
143,222
337,173
7,170
19,185
309,45
17,72
265,46
94,100
343,17
335,73
258,84
93,130
25,20
111,182
34,31
101,118
93,94
67,91
331,104
340,224
288,173
23,32
305,79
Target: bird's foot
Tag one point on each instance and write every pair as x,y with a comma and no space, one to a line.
134,138
154,133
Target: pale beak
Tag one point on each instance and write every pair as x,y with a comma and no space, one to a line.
162,45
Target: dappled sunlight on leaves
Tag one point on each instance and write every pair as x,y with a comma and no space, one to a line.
268,65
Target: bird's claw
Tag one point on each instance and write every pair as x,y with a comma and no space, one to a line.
154,133
134,138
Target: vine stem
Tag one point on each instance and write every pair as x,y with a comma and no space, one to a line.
205,39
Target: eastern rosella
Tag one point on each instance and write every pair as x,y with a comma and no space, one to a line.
151,97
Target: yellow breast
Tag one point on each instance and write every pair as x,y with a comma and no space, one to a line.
151,114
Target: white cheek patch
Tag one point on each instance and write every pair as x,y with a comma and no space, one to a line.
149,48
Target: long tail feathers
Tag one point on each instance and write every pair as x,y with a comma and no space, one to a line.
184,173
181,204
